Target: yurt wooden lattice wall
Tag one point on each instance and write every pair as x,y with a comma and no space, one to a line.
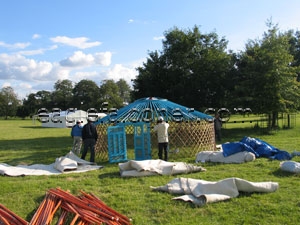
190,131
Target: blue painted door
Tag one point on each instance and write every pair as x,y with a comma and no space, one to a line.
117,150
142,141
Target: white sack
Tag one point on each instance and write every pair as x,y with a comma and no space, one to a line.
217,156
290,166
65,164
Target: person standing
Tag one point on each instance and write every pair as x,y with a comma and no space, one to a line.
217,126
89,137
76,134
163,140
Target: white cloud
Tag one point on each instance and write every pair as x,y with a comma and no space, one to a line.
25,86
147,22
116,72
21,68
6,84
24,89
80,42
37,51
32,52
119,71
90,75
126,72
21,89
27,75
59,73
158,38
80,59
18,45
36,36
103,58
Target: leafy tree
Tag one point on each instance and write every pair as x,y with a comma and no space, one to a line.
44,99
151,81
110,92
9,102
190,70
22,112
62,94
294,40
32,104
85,95
268,81
2,102
124,90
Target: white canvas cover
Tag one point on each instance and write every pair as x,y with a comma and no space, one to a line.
69,163
135,168
201,192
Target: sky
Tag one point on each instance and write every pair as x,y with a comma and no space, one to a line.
43,41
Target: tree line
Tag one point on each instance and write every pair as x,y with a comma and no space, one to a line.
83,95
197,70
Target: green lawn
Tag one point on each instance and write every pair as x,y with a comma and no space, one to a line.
22,142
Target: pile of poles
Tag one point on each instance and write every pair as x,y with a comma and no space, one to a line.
8,217
60,207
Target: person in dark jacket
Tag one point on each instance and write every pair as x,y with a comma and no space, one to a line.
89,137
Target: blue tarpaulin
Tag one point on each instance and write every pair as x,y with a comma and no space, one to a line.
256,146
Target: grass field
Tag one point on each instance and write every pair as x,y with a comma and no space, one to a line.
22,142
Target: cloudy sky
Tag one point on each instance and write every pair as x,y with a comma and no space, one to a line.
43,41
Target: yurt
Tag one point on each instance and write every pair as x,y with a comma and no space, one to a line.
190,131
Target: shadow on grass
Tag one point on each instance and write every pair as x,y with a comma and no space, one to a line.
236,134
37,127
110,175
249,194
31,214
34,151
281,173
